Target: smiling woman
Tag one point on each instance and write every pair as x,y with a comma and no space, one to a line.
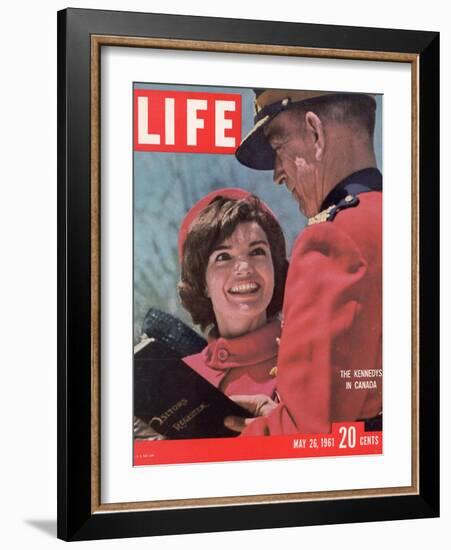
240,280
234,266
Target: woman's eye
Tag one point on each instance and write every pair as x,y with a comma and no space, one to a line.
223,257
259,251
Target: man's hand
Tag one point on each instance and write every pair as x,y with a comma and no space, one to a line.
257,405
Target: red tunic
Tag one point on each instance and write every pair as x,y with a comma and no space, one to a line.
240,365
332,323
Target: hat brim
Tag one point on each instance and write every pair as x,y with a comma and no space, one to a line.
255,150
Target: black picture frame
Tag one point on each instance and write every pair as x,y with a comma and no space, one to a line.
78,517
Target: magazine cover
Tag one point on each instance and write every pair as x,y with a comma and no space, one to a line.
257,274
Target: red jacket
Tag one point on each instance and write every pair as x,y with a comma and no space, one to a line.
242,365
332,323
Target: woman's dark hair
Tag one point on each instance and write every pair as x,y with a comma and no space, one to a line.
213,225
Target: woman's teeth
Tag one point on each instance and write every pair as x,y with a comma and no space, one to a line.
244,288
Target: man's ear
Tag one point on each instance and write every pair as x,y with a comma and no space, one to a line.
315,126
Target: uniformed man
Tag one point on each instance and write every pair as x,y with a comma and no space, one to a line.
320,145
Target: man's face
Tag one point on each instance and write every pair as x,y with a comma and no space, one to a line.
295,163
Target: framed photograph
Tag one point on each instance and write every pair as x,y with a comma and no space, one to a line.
248,274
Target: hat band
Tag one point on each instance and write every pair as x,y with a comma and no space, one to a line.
274,109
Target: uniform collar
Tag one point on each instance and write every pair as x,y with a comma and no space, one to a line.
368,179
252,348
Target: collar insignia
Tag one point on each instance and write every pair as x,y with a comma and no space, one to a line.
329,213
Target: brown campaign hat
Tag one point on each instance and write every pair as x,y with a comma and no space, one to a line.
255,150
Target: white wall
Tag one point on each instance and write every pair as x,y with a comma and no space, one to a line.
28,271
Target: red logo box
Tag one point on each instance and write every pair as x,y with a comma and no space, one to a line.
186,122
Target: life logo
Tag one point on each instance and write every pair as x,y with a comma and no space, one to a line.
186,122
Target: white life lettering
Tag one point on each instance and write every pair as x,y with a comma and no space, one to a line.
194,123
222,124
143,124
